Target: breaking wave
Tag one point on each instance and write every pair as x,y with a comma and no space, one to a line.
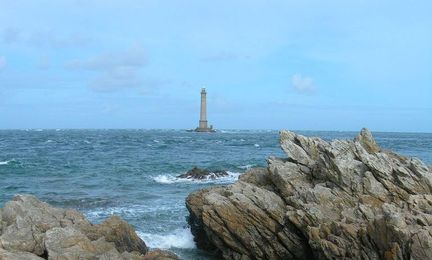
4,162
170,179
179,238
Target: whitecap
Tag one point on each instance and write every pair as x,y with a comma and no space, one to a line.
87,142
4,162
228,131
256,145
156,141
247,166
170,179
165,179
49,141
179,238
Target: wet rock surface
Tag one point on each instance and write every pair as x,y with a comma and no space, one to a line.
31,229
200,174
327,200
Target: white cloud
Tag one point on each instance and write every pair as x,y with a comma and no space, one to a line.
302,83
10,35
114,70
47,39
134,57
2,63
51,39
119,78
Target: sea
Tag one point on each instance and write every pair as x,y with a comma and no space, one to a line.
132,173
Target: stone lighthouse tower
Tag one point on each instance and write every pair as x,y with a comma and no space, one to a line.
203,125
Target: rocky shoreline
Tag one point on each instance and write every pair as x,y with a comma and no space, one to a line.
31,230
326,200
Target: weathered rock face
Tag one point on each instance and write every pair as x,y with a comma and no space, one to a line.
327,200
200,174
31,229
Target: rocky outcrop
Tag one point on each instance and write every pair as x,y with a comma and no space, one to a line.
31,229
201,174
326,200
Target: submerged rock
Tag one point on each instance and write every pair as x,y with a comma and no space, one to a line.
31,229
326,200
200,174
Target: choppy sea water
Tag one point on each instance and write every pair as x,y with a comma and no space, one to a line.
132,173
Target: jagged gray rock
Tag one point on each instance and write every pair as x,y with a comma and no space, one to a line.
31,229
326,200
201,174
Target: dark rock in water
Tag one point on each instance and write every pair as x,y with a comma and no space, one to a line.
200,174
327,200
31,229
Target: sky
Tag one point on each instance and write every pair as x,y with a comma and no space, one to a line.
303,65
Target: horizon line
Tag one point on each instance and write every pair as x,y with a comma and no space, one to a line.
217,130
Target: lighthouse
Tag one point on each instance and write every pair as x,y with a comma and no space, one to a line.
203,124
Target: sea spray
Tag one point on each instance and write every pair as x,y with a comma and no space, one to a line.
171,179
179,238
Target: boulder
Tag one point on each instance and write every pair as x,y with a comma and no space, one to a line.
326,200
200,174
31,229
118,231
26,220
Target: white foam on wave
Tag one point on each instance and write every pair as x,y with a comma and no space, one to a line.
165,179
170,179
4,162
246,167
49,141
179,238
228,131
257,145
131,211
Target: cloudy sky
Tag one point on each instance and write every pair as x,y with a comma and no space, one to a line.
318,65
